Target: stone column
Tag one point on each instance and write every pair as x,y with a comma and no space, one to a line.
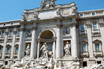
54,49
5,43
59,42
74,43
38,49
13,42
33,52
21,43
102,35
89,34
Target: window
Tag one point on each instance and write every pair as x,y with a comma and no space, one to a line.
94,26
16,50
1,49
98,62
81,14
8,49
2,34
97,48
82,29
10,33
93,13
84,48
84,63
6,62
18,33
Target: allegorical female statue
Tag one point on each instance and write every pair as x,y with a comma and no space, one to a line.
27,51
67,49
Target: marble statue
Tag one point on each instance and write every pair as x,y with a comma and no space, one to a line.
44,49
24,17
42,4
47,4
58,12
27,51
52,4
51,63
36,16
67,49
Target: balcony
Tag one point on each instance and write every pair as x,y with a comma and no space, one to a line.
15,55
2,37
7,55
17,39
85,54
1,40
9,40
98,53
83,32
96,32
28,39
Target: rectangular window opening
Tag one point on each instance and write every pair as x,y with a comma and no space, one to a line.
84,63
98,62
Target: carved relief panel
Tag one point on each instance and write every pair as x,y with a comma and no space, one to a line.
28,33
66,30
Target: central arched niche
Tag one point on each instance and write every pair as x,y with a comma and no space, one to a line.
47,34
46,37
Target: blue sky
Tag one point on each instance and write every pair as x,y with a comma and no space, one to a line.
12,9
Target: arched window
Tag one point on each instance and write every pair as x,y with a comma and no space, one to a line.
97,46
16,49
84,47
1,48
10,33
2,34
18,33
8,49
82,28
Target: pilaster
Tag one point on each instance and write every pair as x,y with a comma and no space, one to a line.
59,41
89,35
33,52
5,43
74,45
54,49
21,43
102,35
13,42
38,49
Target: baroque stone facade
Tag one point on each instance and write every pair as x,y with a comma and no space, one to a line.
56,35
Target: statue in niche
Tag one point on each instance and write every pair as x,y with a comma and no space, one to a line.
67,49
44,49
27,51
